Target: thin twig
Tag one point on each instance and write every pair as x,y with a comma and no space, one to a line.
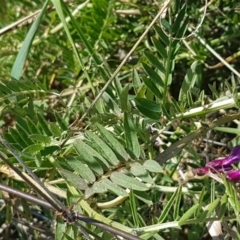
222,60
41,188
26,196
24,21
20,22
78,122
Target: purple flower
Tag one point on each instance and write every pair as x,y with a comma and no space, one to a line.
226,162
223,165
233,176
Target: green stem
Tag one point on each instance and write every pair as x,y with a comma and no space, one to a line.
91,213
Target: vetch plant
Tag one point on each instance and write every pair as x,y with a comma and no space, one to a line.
234,175
223,165
89,139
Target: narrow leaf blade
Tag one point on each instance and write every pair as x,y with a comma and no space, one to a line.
22,55
188,214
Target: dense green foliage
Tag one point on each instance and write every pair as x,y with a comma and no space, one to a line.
122,141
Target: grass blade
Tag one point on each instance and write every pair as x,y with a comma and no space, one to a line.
22,55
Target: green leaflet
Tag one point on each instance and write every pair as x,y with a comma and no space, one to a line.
17,137
113,187
34,148
131,136
87,154
139,171
149,108
113,143
61,122
154,60
111,104
154,76
188,214
177,23
144,197
55,129
152,87
39,138
32,126
102,148
74,179
125,106
210,208
84,171
24,134
42,123
126,181
136,81
97,187
152,166
163,37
